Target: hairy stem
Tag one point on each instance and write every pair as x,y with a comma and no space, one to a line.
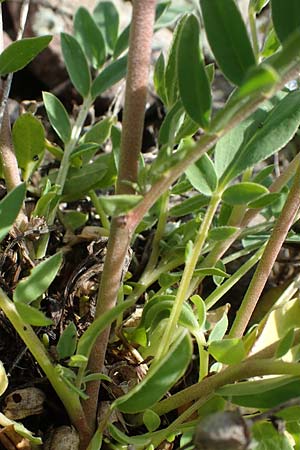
25,331
187,276
268,258
133,123
247,369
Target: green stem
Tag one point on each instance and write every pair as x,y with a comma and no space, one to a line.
99,209
218,293
247,369
63,169
76,130
163,215
187,276
70,399
150,277
268,259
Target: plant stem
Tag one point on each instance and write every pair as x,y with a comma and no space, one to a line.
187,277
25,331
212,299
133,122
7,153
99,210
163,215
76,130
247,369
268,259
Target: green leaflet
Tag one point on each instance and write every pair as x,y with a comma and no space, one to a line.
160,378
10,206
89,37
76,64
58,116
40,278
29,142
18,54
276,130
286,17
228,38
193,82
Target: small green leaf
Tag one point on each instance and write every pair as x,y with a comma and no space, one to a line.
219,330
285,343
116,205
189,206
265,200
243,193
171,124
10,207
40,278
151,420
279,126
96,377
32,316
66,345
18,54
228,351
100,132
96,441
29,142
221,233
109,76
267,437
265,393
159,307
58,116
123,438
286,17
202,175
74,219
160,378
201,309
81,180
211,271
171,80
259,79
107,18
159,77
89,37
228,38
3,379
193,83
271,44
89,337
122,42
83,154
76,64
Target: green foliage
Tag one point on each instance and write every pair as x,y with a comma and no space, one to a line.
228,38
76,64
58,116
18,54
9,209
160,379
89,37
29,142
211,173
193,83
40,278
